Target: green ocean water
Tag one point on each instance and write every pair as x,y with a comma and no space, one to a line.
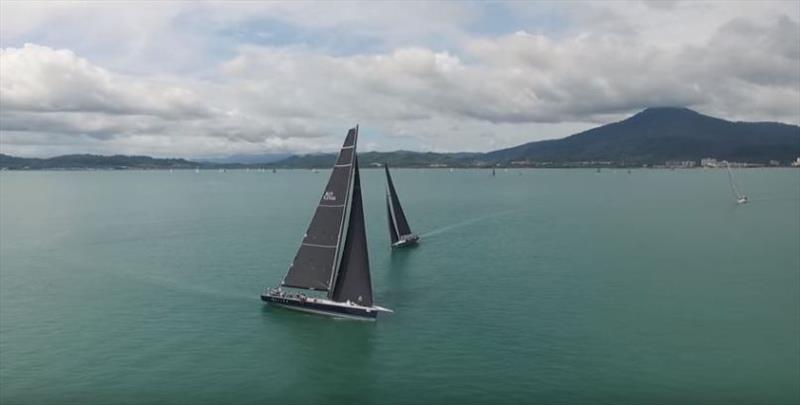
549,286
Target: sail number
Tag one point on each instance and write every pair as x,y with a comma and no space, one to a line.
329,196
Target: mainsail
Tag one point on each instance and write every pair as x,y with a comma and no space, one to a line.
736,192
353,281
315,264
397,219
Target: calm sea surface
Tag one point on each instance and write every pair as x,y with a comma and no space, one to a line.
556,286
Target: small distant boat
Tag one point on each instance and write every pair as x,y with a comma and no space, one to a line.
740,198
197,170
399,231
493,172
332,257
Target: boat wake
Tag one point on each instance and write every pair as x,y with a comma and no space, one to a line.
770,198
467,223
194,289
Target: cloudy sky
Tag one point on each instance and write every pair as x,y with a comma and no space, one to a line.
213,79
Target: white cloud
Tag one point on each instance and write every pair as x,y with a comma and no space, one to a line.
37,78
54,93
163,81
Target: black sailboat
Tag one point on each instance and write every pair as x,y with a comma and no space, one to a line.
399,231
332,257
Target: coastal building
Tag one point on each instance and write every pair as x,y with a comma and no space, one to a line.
680,164
725,163
709,162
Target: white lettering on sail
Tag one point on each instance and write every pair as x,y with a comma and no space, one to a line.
329,196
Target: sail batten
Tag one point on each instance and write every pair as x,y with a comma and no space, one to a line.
321,246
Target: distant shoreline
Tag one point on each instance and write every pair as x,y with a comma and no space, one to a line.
510,168
661,137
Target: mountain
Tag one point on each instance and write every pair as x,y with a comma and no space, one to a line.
367,159
94,162
249,159
656,135
653,136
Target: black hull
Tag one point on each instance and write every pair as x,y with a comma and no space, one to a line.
322,308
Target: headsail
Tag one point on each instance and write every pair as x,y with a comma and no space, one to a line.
353,281
392,229
316,260
395,210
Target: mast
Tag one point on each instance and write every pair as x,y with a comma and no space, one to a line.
400,221
353,281
314,265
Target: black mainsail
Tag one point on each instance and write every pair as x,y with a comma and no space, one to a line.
317,258
333,254
399,230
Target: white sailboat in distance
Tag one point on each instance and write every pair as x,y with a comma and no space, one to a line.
740,198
